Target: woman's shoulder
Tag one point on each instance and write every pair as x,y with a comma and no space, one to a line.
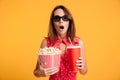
44,43
78,39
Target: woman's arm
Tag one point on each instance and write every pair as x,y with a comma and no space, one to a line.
39,71
82,60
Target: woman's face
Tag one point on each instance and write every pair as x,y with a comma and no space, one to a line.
61,22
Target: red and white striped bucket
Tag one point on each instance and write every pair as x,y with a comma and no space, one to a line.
48,61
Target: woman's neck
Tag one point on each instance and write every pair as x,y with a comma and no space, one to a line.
62,36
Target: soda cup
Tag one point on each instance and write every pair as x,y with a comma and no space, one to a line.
73,53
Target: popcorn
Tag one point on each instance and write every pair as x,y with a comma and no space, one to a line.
49,57
49,51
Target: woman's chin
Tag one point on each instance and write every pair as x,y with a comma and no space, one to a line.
62,34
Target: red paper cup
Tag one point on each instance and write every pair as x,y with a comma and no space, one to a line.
50,60
74,54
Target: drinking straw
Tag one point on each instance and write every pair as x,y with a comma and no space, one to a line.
70,40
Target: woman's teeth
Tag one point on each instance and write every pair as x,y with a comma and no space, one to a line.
61,27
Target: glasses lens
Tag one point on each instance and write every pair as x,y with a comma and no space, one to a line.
57,18
65,18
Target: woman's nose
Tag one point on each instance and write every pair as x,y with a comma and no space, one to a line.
61,20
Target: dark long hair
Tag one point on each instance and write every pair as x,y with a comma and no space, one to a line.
52,33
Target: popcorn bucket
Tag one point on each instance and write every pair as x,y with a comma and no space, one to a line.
49,57
48,61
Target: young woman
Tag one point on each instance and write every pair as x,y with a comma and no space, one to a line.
61,28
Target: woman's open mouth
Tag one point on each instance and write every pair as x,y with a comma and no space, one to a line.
61,27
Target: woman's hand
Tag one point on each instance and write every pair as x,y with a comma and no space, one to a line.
79,63
42,72
49,71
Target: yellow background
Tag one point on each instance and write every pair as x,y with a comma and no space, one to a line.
24,23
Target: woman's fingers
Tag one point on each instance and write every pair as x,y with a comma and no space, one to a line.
48,71
79,63
80,58
51,71
81,67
